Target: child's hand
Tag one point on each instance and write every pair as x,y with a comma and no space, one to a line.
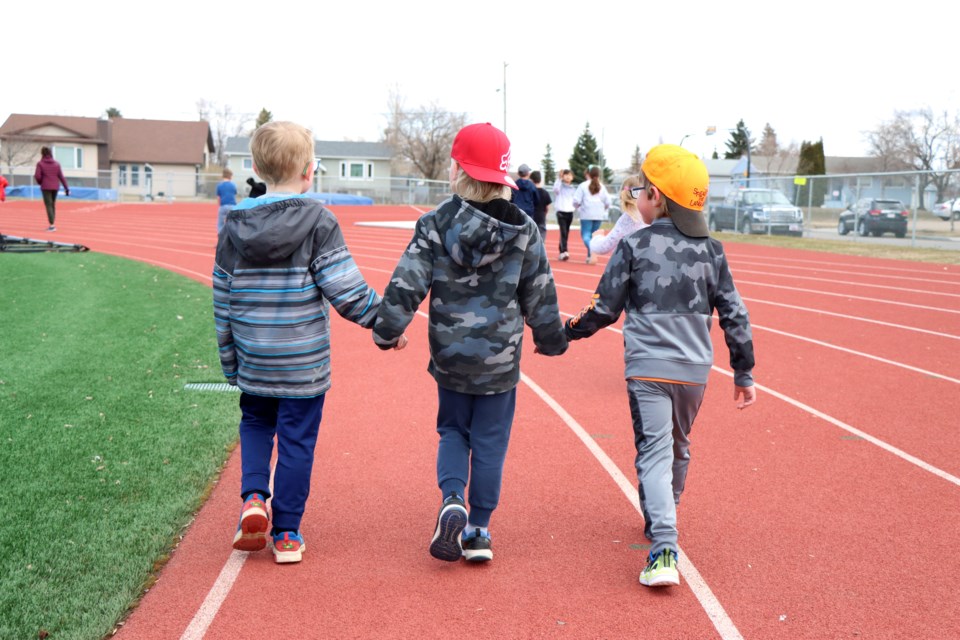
599,233
749,396
401,342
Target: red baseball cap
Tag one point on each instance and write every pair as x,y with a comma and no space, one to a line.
484,153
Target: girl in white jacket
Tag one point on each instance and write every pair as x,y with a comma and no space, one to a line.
591,202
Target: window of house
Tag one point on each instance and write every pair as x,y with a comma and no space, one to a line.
356,170
122,175
134,175
68,157
248,164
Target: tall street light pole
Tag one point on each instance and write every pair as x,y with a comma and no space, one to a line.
504,97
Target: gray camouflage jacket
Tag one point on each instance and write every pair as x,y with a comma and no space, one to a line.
669,284
486,270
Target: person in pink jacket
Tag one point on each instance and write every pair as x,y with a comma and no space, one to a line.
49,176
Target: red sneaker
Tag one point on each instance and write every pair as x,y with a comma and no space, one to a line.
252,530
288,546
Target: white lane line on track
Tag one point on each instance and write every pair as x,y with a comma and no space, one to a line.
778,269
211,604
858,318
215,597
866,436
858,353
781,261
903,455
714,610
848,296
849,283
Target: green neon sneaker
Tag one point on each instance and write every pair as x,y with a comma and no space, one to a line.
661,570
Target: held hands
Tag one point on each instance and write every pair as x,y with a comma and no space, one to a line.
749,396
599,233
401,342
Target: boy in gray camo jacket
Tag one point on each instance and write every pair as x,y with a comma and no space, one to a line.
483,263
669,277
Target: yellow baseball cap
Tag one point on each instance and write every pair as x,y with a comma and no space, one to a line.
682,177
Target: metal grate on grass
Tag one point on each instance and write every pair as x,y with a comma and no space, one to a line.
211,386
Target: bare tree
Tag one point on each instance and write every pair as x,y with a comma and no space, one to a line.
17,151
422,136
919,140
224,123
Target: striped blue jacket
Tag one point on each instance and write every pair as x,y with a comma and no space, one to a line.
279,266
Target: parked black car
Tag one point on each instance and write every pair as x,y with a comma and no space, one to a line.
874,216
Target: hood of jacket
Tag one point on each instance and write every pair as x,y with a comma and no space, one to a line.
475,234
273,231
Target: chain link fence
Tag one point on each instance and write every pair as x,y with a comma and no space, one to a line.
826,201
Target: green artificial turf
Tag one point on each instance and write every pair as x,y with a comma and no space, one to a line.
105,456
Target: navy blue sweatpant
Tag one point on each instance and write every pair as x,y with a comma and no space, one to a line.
474,432
296,423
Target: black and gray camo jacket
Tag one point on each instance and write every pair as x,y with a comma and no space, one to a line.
669,284
486,276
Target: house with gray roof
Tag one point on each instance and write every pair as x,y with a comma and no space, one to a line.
137,158
356,168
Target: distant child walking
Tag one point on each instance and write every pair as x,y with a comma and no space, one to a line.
543,202
563,192
481,260
3,189
591,202
227,197
281,261
666,335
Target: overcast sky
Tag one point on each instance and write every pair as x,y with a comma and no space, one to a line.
649,73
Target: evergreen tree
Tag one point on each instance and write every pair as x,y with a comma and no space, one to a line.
585,154
549,169
738,143
768,142
113,112
812,163
262,119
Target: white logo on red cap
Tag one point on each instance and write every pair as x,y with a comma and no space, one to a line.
505,161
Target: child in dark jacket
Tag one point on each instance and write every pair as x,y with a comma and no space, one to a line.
483,263
669,277
281,261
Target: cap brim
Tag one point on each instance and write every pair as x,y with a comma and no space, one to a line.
690,222
488,175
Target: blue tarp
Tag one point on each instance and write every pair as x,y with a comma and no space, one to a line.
338,198
80,193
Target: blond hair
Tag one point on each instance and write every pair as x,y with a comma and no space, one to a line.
281,150
471,189
628,204
227,173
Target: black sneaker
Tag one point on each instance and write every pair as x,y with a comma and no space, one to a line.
477,547
451,520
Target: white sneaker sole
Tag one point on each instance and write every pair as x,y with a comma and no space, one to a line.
285,557
445,544
662,579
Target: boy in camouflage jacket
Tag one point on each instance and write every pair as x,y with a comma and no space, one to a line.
669,277
483,263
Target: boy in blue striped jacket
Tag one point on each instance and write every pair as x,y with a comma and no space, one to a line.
281,261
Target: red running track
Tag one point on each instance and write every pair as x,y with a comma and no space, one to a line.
831,509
